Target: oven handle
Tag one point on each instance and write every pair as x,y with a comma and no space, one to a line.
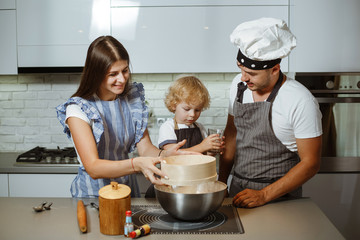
338,99
337,91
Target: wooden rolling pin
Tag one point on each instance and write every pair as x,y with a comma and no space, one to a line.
81,216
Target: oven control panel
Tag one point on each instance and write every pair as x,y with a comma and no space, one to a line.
316,82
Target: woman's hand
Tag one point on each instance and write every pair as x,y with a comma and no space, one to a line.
175,150
147,166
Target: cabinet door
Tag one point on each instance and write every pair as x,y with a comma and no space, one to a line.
7,4
338,196
4,189
328,35
8,61
185,38
40,185
58,33
162,3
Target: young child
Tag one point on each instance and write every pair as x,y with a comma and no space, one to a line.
187,97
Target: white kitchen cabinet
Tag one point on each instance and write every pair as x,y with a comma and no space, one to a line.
186,36
4,185
7,4
338,196
328,35
152,3
40,185
54,33
8,59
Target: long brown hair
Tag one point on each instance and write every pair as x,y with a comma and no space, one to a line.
102,53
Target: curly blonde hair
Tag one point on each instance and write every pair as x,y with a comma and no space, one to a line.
188,89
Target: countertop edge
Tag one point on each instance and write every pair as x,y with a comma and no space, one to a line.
349,165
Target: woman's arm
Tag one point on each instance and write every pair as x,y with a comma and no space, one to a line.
101,168
86,147
209,143
146,148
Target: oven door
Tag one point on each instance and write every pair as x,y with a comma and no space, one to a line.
341,129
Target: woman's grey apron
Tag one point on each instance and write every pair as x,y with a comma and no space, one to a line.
193,137
261,158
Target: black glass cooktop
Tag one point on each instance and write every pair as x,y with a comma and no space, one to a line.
224,221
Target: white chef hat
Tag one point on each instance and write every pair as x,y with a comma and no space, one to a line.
263,42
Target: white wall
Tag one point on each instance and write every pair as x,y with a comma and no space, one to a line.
28,101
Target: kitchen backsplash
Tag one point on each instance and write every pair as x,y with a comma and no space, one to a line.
28,101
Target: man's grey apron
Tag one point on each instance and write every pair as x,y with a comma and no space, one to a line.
193,137
261,158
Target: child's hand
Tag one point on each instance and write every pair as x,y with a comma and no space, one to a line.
213,143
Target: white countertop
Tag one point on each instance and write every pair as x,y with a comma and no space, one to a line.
293,219
8,159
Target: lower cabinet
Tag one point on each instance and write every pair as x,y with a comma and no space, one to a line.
338,196
46,185
4,185
40,185
143,183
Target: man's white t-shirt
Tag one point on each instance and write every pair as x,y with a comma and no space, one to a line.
295,112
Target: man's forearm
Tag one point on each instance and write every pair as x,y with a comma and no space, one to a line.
227,158
309,153
224,170
296,177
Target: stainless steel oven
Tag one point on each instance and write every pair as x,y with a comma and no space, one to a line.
339,100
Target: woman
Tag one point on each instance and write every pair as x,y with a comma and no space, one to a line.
106,118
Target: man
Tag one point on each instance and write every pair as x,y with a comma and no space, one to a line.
273,131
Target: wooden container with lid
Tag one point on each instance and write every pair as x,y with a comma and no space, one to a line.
114,201
188,170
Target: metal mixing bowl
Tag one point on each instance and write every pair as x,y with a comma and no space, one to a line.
191,203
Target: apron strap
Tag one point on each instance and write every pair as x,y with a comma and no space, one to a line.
256,180
240,92
276,88
176,127
242,87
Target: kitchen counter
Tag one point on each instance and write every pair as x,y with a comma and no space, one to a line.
7,166
8,159
295,219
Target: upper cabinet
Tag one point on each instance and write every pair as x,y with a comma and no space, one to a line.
175,36
7,4
54,33
8,61
328,35
186,36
